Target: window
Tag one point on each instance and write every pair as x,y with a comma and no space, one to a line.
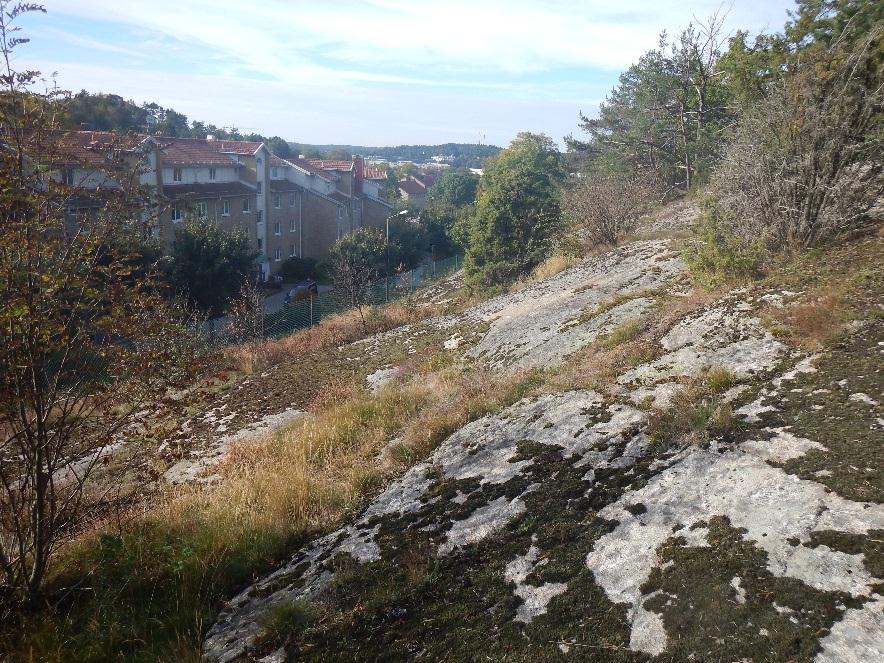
292,226
247,206
277,254
276,203
176,214
291,200
225,208
67,176
177,175
260,244
211,174
291,250
276,228
202,209
340,212
260,218
274,172
260,187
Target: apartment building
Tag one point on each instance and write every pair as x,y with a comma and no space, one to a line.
225,181
286,207
360,194
85,161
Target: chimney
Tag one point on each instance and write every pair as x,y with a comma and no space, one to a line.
360,172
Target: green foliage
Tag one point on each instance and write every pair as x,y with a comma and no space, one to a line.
279,147
298,269
751,71
209,264
718,255
449,202
453,188
408,241
356,260
517,213
111,112
666,113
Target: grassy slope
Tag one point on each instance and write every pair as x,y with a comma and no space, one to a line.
146,589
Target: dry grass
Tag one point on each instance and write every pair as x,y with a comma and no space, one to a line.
331,332
158,570
308,475
556,263
811,322
553,265
696,412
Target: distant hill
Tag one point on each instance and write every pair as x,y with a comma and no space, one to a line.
111,112
465,155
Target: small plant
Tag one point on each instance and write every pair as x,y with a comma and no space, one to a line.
289,618
696,413
623,333
719,379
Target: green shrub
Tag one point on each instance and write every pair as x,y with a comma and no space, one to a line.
718,255
298,269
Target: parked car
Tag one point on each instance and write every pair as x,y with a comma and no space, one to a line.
301,290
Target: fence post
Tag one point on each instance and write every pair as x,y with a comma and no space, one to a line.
311,310
455,262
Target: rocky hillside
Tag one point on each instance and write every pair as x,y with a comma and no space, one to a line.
694,475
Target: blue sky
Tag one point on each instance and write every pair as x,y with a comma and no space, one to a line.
375,72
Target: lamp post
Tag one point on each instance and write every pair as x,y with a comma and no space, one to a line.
387,273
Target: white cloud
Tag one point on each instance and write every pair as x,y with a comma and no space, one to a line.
372,70
318,114
377,40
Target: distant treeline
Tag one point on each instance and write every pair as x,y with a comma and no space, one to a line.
464,155
111,112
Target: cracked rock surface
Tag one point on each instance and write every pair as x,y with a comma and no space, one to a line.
557,528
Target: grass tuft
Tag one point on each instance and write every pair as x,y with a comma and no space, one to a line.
696,414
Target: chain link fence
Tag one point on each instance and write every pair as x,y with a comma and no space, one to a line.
312,310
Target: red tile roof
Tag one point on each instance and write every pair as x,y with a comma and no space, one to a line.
77,148
412,188
306,165
325,164
187,151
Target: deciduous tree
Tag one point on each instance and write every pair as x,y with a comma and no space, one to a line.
517,212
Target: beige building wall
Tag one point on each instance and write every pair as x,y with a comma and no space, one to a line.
320,225
284,226
374,214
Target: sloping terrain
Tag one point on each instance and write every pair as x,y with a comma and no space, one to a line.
685,483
